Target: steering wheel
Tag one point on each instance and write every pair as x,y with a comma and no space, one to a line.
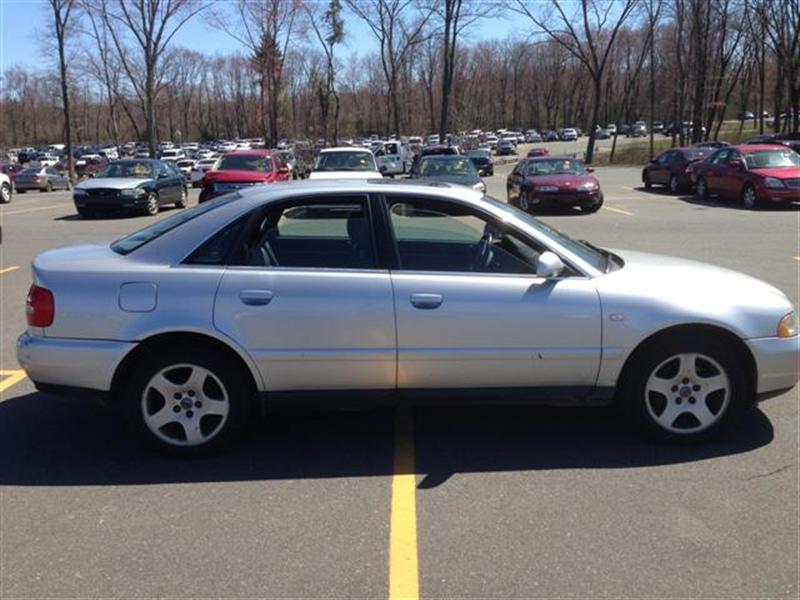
485,251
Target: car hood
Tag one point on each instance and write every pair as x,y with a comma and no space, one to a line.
230,176
779,172
563,181
653,288
468,180
114,183
345,175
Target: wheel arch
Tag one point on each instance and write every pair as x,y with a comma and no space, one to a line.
162,341
736,343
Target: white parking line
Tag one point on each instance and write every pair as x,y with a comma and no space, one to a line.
618,210
28,210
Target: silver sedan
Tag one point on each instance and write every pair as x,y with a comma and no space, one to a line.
345,290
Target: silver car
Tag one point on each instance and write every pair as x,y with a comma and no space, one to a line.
360,288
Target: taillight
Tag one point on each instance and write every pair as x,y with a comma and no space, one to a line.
40,307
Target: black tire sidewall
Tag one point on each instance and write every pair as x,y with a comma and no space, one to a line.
642,366
5,197
229,373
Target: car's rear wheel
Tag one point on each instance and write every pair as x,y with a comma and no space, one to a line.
182,202
151,206
5,193
749,198
684,389
189,402
674,187
701,189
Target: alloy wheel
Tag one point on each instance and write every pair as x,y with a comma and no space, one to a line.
749,198
673,184
687,393
185,405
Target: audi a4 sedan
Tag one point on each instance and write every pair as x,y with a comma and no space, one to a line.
348,290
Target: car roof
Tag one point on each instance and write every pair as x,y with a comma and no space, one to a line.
760,146
345,149
243,152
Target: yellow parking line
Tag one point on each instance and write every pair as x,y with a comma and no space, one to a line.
618,210
8,269
403,569
10,378
28,210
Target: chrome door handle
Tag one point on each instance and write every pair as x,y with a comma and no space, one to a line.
426,301
255,297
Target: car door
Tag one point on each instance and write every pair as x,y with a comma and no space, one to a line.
167,185
515,181
734,177
472,313
716,171
308,299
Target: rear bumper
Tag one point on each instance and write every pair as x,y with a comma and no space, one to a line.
88,364
29,185
777,363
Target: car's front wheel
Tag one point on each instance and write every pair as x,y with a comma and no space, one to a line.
592,208
151,206
182,202
749,198
684,389
5,193
674,186
190,402
646,180
701,189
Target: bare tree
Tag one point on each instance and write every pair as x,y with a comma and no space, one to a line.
329,30
590,42
151,25
62,10
397,33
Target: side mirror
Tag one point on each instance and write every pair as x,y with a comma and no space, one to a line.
163,175
590,169
736,165
549,265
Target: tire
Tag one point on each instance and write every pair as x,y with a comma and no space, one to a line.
21,191
674,186
68,187
48,187
684,389
646,179
184,197
701,189
187,401
592,208
85,213
749,198
151,207
524,203
5,193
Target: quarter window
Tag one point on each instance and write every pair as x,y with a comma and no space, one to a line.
451,237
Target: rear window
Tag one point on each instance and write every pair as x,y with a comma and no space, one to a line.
136,240
245,162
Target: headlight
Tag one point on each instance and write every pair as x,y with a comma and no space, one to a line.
132,193
79,192
788,325
773,183
547,188
588,187
480,187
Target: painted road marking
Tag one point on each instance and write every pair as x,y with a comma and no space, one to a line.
10,378
403,569
28,210
8,269
618,210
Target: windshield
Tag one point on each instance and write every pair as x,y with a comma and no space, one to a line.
443,167
148,234
593,257
478,154
695,154
555,166
345,161
244,162
136,169
31,171
767,159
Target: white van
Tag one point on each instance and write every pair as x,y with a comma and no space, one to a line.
393,158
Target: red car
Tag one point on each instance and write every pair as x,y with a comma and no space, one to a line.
553,181
754,174
534,152
244,168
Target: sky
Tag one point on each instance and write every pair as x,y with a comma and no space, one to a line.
23,22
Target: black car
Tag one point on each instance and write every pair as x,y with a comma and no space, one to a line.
505,148
787,139
482,159
134,185
450,169
669,167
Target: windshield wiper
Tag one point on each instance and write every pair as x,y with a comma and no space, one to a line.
605,253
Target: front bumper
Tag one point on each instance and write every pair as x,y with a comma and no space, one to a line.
108,201
564,198
779,195
777,362
88,364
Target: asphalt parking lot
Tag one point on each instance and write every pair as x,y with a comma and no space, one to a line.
522,502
